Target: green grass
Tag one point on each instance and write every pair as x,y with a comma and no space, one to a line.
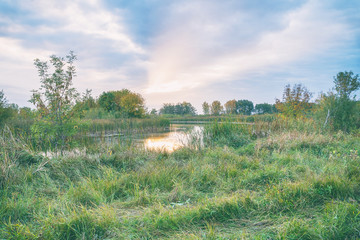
262,181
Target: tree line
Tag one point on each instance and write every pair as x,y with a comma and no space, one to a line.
58,105
242,107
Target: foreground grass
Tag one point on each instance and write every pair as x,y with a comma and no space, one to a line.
288,184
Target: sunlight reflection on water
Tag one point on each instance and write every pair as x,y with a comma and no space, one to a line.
173,140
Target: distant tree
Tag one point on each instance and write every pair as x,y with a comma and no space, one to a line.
295,102
55,100
119,96
127,103
188,109
153,111
230,107
5,110
346,83
107,101
183,108
132,105
84,104
26,113
244,107
274,109
87,100
179,110
341,107
206,108
3,100
167,108
216,108
263,108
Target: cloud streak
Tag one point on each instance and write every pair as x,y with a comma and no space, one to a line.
87,17
184,59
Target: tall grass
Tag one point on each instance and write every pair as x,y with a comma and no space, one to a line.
122,125
270,180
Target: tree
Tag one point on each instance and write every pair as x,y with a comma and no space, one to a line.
263,108
26,113
3,99
341,106
206,108
87,100
132,105
244,107
187,108
5,110
107,101
167,108
153,111
183,108
86,103
55,100
216,108
346,83
295,102
125,102
230,107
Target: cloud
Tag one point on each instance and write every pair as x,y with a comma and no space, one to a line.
82,17
194,53
171,51
12,50
108,55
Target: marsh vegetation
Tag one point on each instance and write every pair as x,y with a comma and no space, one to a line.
283,180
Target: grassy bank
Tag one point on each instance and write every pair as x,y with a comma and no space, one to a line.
265,181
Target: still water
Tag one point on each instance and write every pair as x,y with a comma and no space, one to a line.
176,136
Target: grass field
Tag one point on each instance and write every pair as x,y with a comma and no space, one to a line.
266,181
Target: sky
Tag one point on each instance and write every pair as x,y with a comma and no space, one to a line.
181,50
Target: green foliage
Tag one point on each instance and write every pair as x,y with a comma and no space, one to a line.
183,108
3,100
346,83
295,102
107,101
86,103
55,100
125,102
6,112
345,114
244,107
230,107
206,108
340,109
264,108
216,108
